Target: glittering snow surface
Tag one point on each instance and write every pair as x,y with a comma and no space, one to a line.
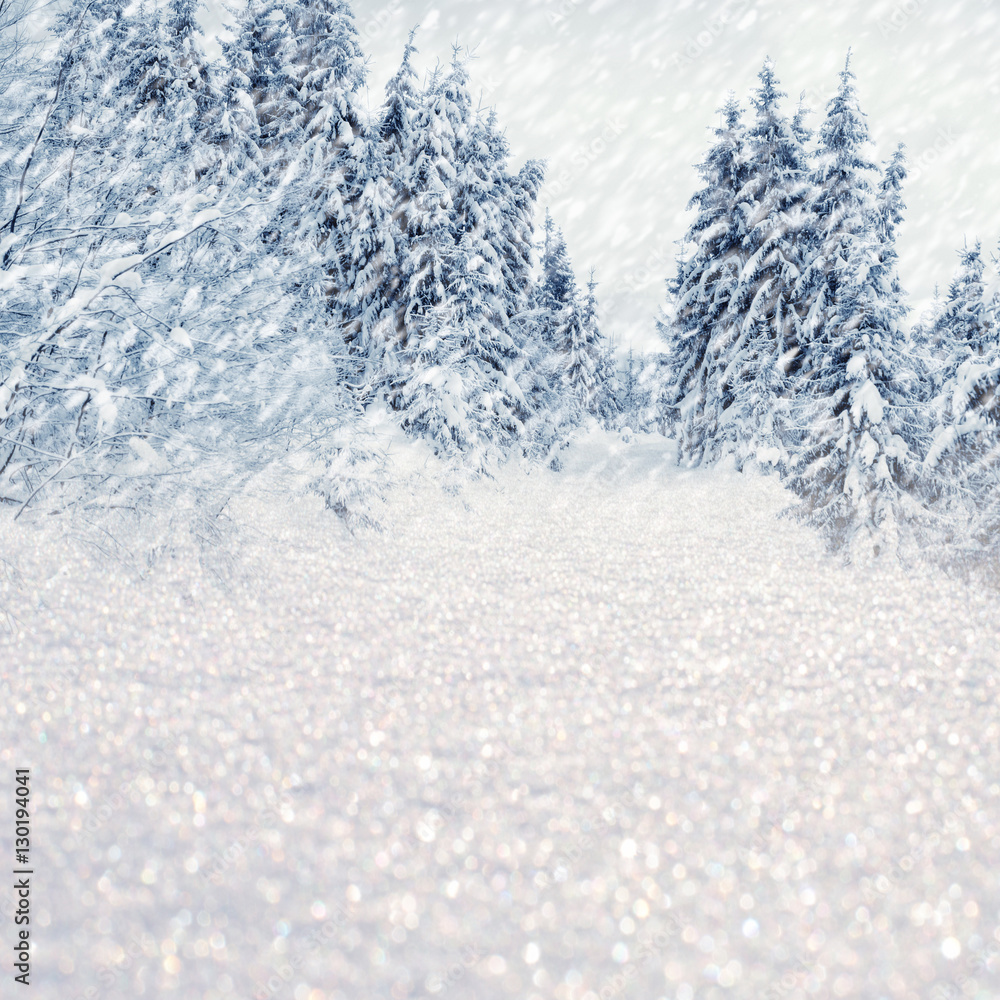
613,732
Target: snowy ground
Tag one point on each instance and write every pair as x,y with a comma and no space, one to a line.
558,729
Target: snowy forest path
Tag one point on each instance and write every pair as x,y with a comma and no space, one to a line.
533,732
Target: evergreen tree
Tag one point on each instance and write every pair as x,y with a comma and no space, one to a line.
772,202
890,216
425,175
234,128
856,403
966,324
327,69
921,331
736,329
164,105
609,401
457,324
396,130
707,278
629,398
517,195
457,394
890,198
558,288
800,129
262,58
844,204
845,172
559,327
960,467
760,416
761,344
569,352
512,199
182,34
329,219
366,301
402,101
856,470
588,367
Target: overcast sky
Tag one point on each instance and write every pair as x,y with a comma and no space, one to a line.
618,96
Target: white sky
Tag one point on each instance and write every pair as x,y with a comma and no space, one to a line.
648,76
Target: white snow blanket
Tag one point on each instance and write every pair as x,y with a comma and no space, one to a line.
612,732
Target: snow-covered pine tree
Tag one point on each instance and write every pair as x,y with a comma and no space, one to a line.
845,172
759,342
395,131
856,403
197,81
498,211
609,406
324,190
372,214
455,395
329,238
516,198
478,191
559,309
591,368
453,284
890,198
189,60
656,402
366,301
300,68
183,36
574,358
538,372
261,58
235,129
843,203
557,325
629,396
707,276
327,69
855,469
759,421
920,331
890,216
166,105
961,466
557,289
965,322
402,102
570,326
800,129
423,177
